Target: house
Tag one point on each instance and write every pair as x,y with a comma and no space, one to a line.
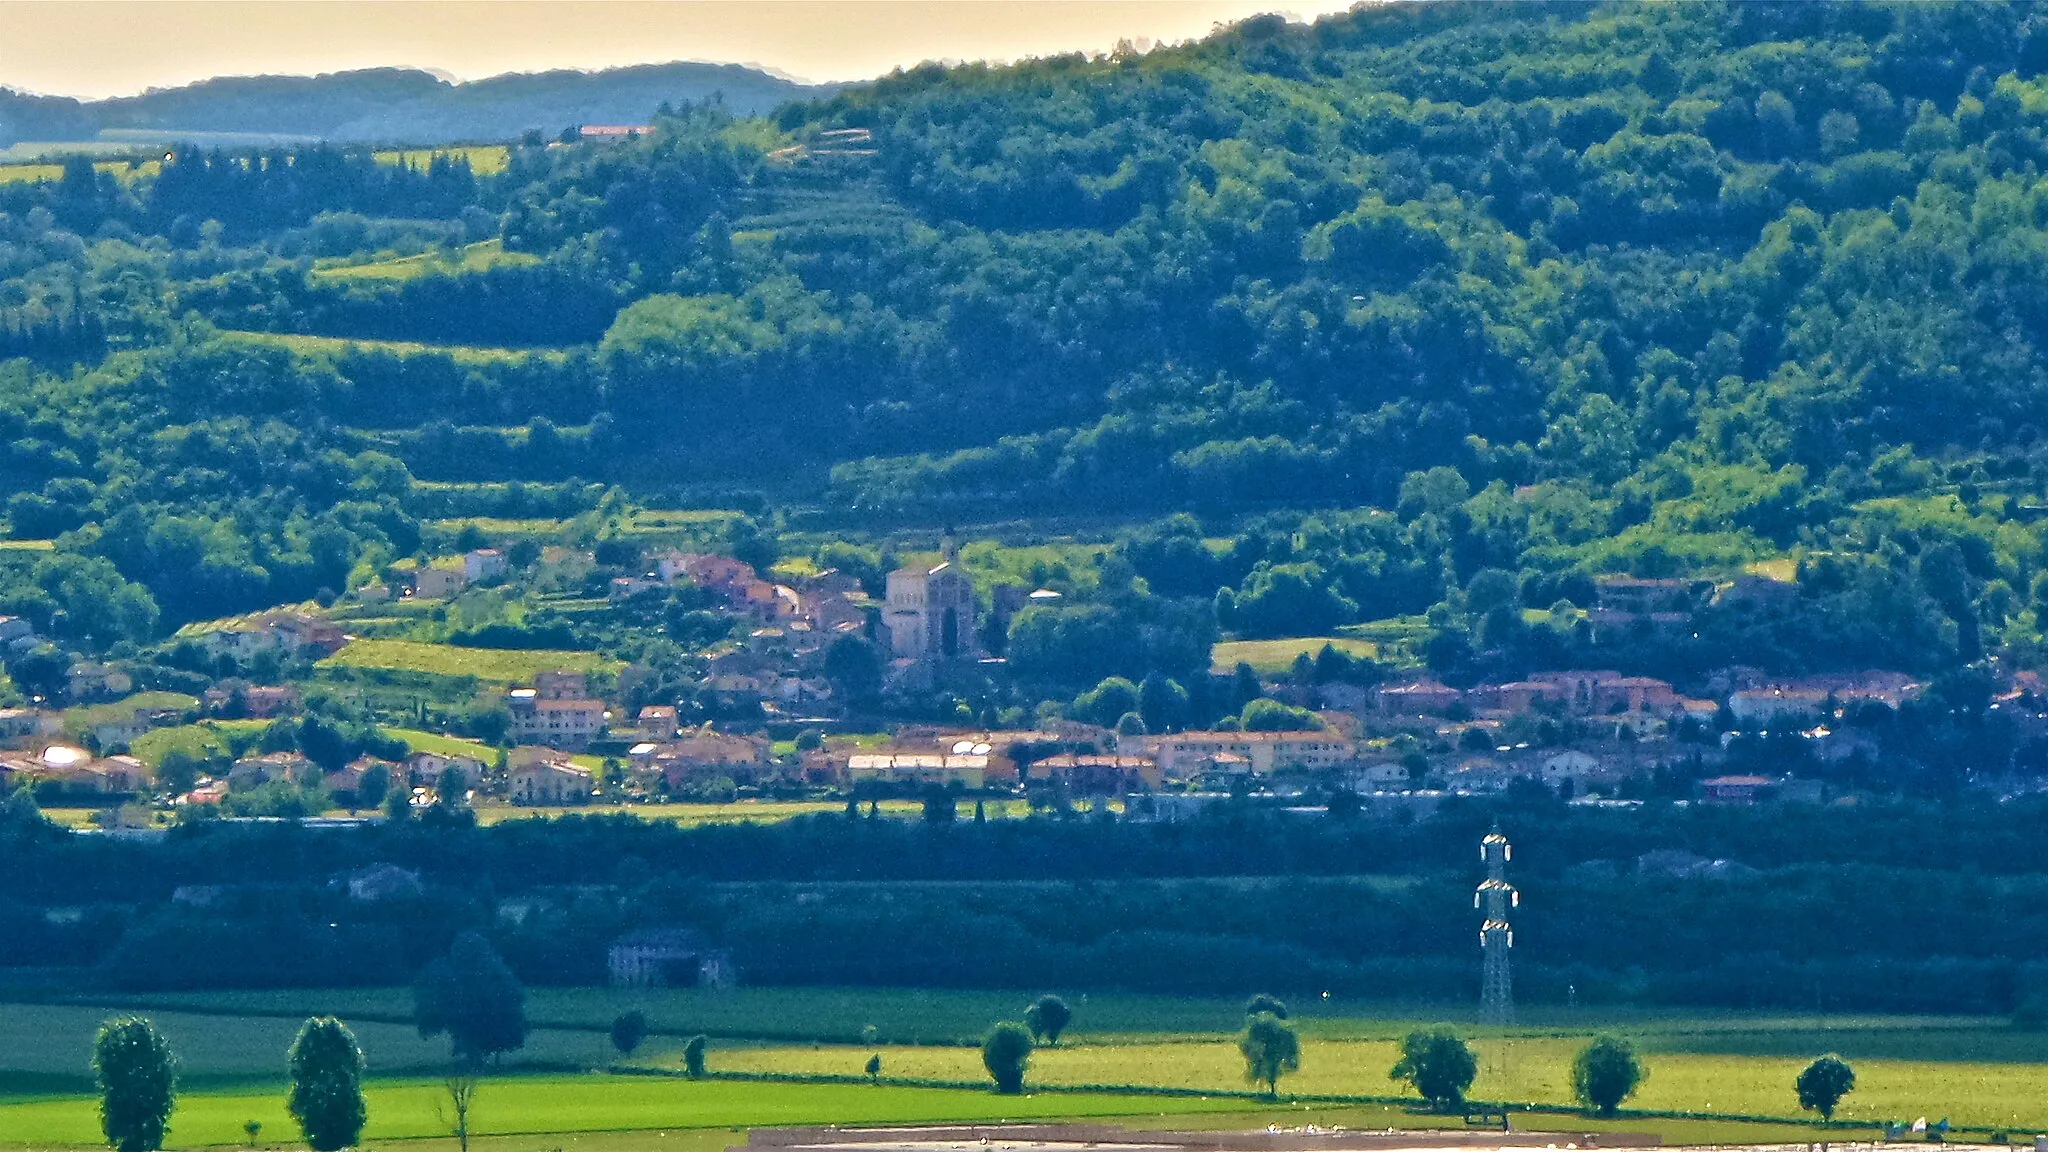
1417,698
436,582
1624,603
1777,707
1183,754
256,771
121,731
561,723
239,698
703,754
667,958
301,633
90,681
427,768
17,723
1083,775
1380,776
100,777
656,721
1737,790
562,684
551,782
612,133
483,564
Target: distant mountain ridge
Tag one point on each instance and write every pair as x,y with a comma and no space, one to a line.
400,105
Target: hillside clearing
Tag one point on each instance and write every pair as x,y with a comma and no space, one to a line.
1274,656
495,665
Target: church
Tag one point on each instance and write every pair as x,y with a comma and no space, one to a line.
931,611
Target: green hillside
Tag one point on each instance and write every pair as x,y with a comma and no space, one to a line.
1412,300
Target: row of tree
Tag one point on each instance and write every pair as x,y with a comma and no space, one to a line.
138,1084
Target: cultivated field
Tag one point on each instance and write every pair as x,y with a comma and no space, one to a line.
479,257
339,345
1273,656
497,665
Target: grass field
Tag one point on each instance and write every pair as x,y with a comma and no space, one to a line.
27,545
479,257
1271,656
203,741
401,1110
338,345
1978,1072
484,159
496,665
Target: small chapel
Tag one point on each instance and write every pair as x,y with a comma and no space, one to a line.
931,611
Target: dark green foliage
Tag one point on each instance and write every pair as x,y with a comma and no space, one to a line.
1264,1005
1047,1017
1006,1053
1438,1065
1270,1049
1605,1073
474,998
326,1095
693,1056
628,1030
1823,1083
874,1068
138,1083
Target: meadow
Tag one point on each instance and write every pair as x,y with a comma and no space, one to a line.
466,354
496,665
479,257
782,1056
1270,657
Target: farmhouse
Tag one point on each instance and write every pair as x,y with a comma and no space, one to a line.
701,754
551,782
436,582
429,767
668,958
483,564
90,681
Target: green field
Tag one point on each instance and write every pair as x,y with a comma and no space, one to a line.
484,159
496,665
1273,656
1725,1068
202,741
401,1110
479,257
337,345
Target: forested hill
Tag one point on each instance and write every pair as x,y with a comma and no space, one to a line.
1564,288
399,105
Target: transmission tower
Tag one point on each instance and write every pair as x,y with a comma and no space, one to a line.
1496,898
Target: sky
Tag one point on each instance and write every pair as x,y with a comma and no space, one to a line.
119,47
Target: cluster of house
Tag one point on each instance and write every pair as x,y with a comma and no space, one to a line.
288,633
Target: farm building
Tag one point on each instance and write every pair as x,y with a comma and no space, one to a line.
668,958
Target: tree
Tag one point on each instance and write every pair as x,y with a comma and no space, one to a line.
693,1056
1605,1074
1271,1050
628,1030
1006,1054
374,786
461,1087
1438,1065
473,997
875,1068
327,1085
138,1081
1268,1005
1047,1017
1823,1085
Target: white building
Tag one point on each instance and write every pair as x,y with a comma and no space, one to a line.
930,616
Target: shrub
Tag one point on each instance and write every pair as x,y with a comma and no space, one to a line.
693,1057
1006,1054
628,1030
1047,1017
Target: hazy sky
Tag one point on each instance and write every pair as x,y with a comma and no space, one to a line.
82,48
